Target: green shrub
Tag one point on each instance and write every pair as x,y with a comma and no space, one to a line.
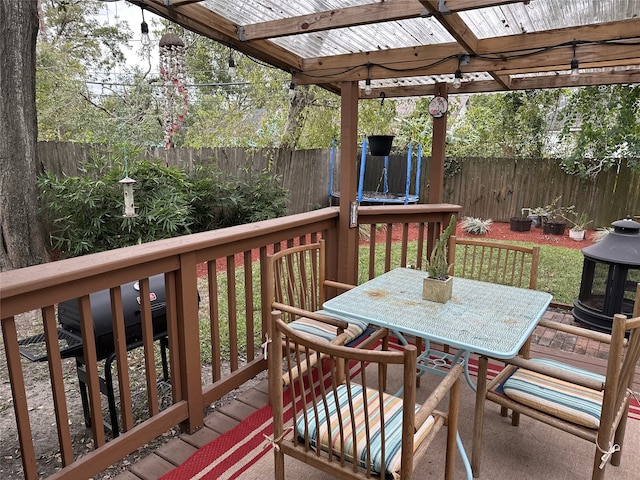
85,214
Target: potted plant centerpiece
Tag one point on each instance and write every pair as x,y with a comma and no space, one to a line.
579,227
438,284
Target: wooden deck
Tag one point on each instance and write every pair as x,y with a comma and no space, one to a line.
560,346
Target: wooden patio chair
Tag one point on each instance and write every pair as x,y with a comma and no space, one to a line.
299,288
333,422
495,262
589,405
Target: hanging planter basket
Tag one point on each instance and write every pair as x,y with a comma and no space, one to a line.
380,145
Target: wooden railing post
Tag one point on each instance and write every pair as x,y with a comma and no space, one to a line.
189,341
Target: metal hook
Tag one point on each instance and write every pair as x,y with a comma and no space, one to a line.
382,96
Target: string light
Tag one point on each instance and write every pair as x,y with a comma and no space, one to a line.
367,86
144,31
367,82
292,89
232,65
575,65
457,80
463,59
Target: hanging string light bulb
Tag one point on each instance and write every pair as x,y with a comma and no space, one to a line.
144,35
173,54
232,65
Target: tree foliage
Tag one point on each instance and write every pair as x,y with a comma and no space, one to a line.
508,125
255,108
601,126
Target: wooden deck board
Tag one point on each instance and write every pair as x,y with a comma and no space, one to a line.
200,438
255,398
220,422
176,451
126,476
152,467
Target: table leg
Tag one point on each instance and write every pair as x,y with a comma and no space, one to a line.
481,392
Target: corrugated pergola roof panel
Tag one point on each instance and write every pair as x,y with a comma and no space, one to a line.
417,42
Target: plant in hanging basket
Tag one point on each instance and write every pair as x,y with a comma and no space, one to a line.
438,286
380,145
381,123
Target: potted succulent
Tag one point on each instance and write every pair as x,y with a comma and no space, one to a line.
579,227
438,284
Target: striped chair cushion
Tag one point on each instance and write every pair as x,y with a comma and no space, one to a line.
564,400
326,331
329,421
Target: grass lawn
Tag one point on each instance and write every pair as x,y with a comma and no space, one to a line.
559,273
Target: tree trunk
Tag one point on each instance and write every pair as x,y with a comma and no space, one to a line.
302,98
21,232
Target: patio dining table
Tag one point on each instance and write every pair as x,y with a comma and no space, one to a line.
484,318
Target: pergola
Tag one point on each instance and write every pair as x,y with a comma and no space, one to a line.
419,48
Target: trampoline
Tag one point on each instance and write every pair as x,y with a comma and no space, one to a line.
380,196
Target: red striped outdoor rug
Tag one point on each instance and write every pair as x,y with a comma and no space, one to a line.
233,453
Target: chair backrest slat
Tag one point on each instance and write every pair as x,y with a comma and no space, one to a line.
496,262
298,277
358,399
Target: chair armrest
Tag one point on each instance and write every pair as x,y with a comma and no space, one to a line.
575,330
312,315
338,285
430,404
556,373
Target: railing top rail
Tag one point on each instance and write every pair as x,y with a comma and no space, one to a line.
103,270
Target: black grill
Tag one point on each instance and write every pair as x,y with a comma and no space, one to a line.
69,334
70,337
69,315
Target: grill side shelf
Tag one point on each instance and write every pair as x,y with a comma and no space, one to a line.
34,348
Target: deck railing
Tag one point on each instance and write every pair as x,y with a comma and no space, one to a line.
216,314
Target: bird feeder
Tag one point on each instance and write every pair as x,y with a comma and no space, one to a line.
129,207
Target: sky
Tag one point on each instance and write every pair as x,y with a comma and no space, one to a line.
124,11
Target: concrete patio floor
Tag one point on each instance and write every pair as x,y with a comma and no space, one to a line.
524,447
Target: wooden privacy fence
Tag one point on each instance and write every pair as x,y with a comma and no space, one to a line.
485,187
